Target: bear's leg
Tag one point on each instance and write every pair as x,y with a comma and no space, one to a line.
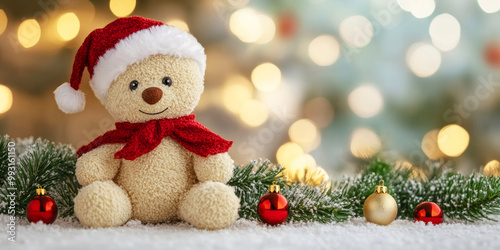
210,205
102,204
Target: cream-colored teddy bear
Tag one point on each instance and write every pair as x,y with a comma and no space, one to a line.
159,164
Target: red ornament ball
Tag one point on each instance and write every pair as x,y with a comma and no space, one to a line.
273,208
428,212
42,208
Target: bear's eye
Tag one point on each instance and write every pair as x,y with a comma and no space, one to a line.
167,81
133,85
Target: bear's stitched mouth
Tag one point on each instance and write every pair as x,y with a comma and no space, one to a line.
153,113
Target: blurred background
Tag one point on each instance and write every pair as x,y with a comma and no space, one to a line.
311,84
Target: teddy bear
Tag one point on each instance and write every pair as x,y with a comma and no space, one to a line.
159,164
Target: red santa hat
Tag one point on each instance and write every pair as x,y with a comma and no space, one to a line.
108,51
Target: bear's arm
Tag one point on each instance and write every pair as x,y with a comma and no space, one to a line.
218,168
98,164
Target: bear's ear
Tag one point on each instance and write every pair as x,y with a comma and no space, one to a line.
68,99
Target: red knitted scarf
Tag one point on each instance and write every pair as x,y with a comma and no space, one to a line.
141,138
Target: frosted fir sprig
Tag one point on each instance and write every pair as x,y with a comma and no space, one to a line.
41,162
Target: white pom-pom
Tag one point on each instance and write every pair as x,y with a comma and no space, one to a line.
69,100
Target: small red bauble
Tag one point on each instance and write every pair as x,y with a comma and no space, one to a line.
428,212
41,208
273,207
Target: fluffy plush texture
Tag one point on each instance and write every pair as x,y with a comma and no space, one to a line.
97,165
107,52
216,168
210,205
102,204
180,98
165,40
68,99
158,182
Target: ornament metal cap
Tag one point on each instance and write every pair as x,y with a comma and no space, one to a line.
40,190
381,189
274,188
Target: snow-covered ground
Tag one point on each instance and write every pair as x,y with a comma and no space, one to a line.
357,234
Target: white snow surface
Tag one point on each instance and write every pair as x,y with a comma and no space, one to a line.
244,234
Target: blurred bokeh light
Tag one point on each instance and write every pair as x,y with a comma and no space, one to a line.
68,26
122,8
5,99
324,50
453,140
3,21
29,33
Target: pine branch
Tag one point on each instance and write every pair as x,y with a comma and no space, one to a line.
4,156
251,183
46,164
465,198
307,203
470,198
355,191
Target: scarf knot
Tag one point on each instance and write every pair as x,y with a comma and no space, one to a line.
142,138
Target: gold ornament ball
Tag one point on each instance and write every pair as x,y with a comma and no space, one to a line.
380,207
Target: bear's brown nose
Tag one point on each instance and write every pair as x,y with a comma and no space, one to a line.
152,95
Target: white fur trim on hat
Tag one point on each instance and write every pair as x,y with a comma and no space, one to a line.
68,99
140,45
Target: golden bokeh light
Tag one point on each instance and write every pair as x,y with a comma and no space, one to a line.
364,143
266,77
324,50
320,111
122,8
430,145
288,152
252,27
489,6
5,99
492,168
268,28
453,140
29,33
303,132
423,59
299,164
366,101
314,176
445,32
245,24
236,91
68,26
254,113
357,31
3,21
178,23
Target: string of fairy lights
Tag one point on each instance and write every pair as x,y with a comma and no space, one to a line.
238,92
